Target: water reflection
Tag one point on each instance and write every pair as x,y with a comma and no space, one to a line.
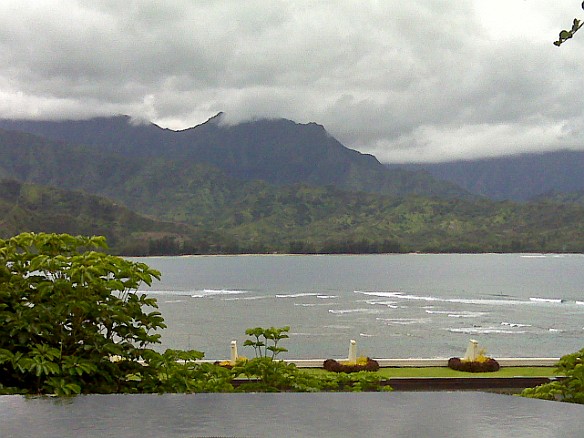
440,414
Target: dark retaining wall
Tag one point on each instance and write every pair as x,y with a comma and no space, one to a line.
466,383
490,384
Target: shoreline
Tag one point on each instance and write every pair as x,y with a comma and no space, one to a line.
281,254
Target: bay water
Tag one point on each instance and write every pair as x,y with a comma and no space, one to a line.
394,306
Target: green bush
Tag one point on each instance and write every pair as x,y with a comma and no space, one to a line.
72,322
484,365
568,389
367,364
267,374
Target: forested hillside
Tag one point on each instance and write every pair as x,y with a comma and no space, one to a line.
30,207
198,208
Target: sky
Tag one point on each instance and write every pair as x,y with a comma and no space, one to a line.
407,81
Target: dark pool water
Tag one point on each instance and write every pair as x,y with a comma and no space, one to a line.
421,414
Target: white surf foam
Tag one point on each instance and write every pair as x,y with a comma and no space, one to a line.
546,300
454,314
214,292
252,298
390,304
485,331
404,321
515,324
346,311
478,301
304,294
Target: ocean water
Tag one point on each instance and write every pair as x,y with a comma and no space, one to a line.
394,306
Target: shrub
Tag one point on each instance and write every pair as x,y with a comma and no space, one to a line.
569,389
479,366
266,374
71,321
362,364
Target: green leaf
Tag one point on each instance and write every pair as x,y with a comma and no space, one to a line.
5,356
61,387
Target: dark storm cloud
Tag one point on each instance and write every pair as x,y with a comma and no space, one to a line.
425,80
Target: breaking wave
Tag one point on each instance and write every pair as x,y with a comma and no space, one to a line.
197,293
252,298
390,304
460,314
485,331
480,301
346,311
514,324
547,300
404,321
303,294
214,292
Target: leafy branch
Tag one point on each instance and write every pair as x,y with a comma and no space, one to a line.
569,389
567,34
262,338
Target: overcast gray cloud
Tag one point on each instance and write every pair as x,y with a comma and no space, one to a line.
427,80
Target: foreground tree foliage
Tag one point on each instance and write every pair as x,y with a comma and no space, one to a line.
569,389
71,322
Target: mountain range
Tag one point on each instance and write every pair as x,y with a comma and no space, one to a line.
282,152
263,186
518,177
277,151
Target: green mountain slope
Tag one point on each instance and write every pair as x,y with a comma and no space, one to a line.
277,151
563,198
172,190
223,214
308,219
30,207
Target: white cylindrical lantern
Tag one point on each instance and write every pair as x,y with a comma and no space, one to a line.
233,352
472,351
353,351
